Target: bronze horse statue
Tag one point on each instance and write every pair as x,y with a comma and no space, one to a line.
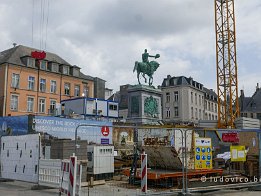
146,68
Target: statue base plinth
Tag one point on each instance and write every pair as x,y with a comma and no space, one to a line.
144,105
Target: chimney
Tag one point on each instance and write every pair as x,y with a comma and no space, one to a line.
242,93
257,86
14,44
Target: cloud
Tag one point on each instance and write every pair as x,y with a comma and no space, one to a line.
105,38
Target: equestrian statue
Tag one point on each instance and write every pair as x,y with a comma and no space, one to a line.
146,67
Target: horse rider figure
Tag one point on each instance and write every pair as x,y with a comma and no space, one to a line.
145,59
146,67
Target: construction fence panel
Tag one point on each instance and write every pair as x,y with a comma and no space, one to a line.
20,156
49,172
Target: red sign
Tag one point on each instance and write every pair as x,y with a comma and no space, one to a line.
105,130
38,55
230,137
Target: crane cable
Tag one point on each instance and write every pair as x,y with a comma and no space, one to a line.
43,23
32,23
47,20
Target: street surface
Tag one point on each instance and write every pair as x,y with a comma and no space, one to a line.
17,188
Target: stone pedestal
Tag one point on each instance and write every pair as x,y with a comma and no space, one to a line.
144,105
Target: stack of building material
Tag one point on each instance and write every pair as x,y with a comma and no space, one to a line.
208,123
63,149
163,157
247,123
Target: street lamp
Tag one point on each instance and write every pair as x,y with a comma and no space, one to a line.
84,95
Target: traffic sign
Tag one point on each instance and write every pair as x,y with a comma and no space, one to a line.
105,130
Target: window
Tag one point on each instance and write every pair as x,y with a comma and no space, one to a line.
67,89
215,107
85,90
192,113
168,113
76,72
30,62
15,80
196,99
176,111
31,82
176,96
14,102
113,107
191,97
212,107
199,114
53,86
66,70
55,67
52,106
43,65
42,85
30,104
77,90
199,99
167,97
196,113
41,105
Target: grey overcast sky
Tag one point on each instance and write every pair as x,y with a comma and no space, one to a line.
106,37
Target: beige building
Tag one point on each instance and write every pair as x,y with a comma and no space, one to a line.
186,101
31,86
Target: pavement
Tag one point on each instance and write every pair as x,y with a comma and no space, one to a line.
18,188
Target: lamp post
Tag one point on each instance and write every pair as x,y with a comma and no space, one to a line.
84,95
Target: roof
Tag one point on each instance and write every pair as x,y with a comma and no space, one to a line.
13,56
210,94
252,104
181,80
86,77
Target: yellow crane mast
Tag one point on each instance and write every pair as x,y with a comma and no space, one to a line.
226,63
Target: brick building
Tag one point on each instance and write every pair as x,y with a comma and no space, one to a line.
31,86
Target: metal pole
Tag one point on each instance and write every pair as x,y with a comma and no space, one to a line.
186,163
183,162
75,145
259,140
85,104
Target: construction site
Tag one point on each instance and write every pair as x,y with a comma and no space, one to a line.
142,154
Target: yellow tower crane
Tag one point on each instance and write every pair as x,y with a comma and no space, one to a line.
226,63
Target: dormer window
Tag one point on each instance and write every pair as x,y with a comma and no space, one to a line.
30,62
55,67
43,65
66,70
75,71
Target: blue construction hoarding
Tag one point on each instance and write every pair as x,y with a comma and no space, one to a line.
62,128
14,125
